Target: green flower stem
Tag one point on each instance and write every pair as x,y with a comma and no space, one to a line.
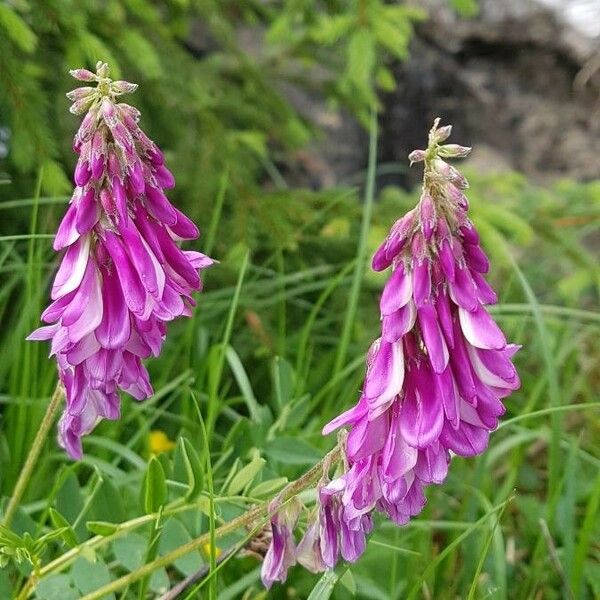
34,453
244,520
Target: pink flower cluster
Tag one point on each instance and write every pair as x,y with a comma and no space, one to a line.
123,276
435,378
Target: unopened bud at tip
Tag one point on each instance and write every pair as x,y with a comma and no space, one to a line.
443,133
102,69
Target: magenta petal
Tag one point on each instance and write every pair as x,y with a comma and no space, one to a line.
120,198
461,366
160,207
397,291
115,328
398,457
88,211
72,268
385,374
91,316
67,232
433,338
476,258
432,464
421,282
449,395
444,313
83,349
164,177
185,228
422,415
43,333
77,305
485,292
136,178
394,326
462,290
56,309
366,437
140,257
480,329
348,417
133,290
469,233
83,172
467,440
447,259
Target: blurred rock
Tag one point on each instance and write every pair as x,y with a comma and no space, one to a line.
510,79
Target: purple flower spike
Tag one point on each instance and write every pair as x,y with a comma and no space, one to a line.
123,276
435,378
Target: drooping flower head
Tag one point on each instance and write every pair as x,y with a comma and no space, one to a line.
435,377
123,276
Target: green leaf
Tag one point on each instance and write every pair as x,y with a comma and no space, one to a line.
56,587
154,490
245,475
292,451
283,380
60,522
174,535
361,58
265,488
103,528
243,382
89,576
324,587
16,29
193,467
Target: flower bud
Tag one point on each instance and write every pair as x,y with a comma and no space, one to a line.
416,156
80,93
123,87
83,75
442,134
453,151
80,106
102,69
427,215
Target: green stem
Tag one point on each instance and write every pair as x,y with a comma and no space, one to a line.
33,455
294,488
361,251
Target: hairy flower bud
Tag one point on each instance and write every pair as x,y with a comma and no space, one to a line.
453,151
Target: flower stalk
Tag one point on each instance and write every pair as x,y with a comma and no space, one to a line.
34,454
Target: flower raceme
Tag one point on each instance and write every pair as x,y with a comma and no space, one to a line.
435,377
123,276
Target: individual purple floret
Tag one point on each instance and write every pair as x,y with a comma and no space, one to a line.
281,554
435,378
123,275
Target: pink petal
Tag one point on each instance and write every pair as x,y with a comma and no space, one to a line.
480,329
397,291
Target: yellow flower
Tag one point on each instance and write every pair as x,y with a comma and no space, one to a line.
206,550
159,442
